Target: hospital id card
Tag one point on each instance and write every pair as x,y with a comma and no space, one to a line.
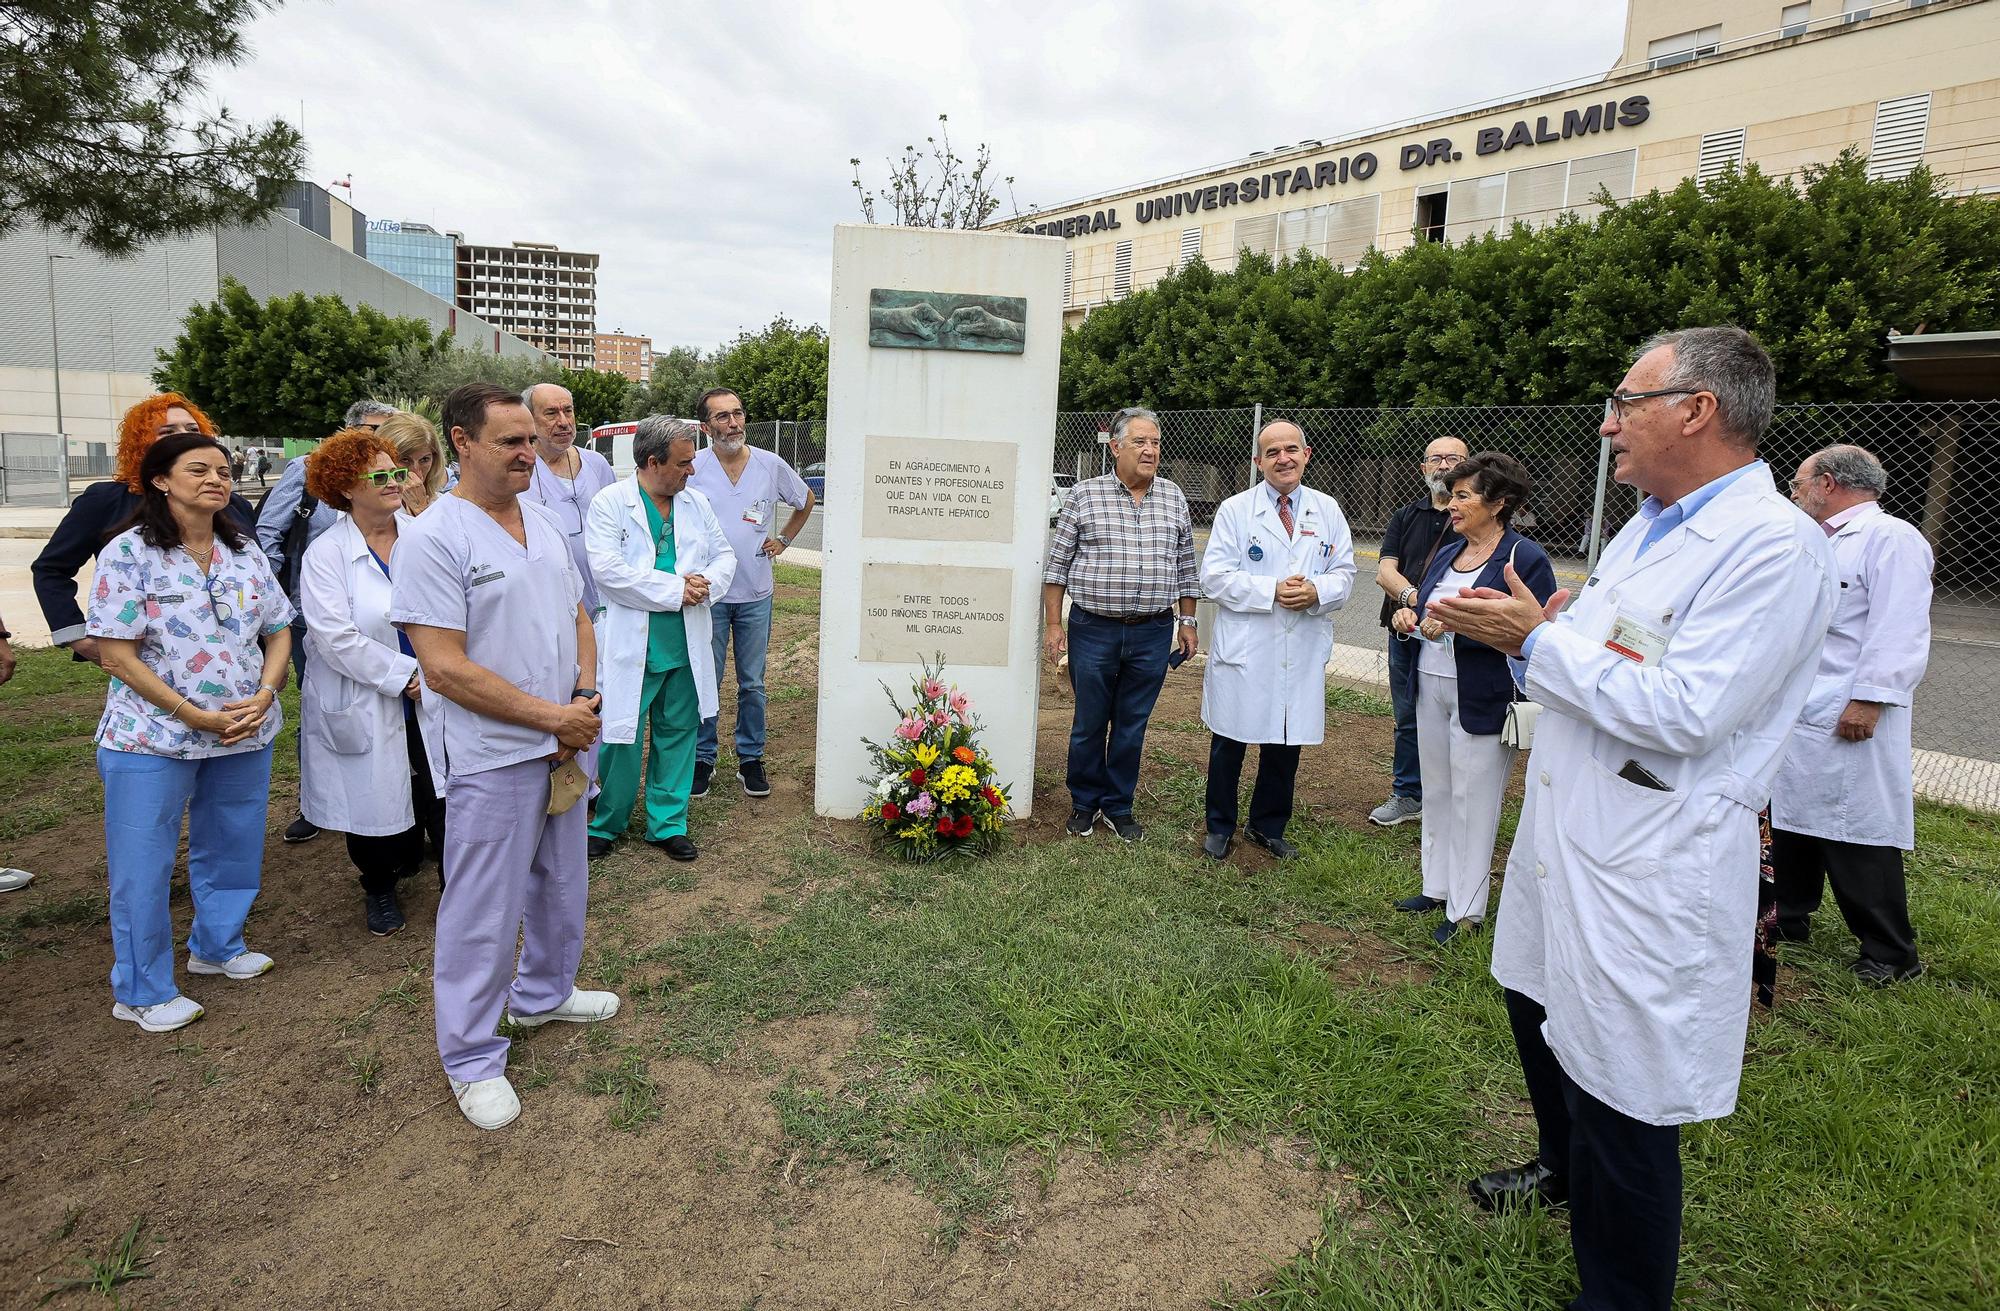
1636,641
757,513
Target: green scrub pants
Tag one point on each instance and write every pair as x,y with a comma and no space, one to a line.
668,702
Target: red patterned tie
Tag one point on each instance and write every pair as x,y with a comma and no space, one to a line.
1285,512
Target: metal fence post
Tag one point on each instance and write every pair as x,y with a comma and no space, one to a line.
1597,508
62,465
1256,426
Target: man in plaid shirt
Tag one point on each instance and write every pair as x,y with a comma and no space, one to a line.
1123,550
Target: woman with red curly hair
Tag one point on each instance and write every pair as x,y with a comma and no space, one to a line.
365,771
105,509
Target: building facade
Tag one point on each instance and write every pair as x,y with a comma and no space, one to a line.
537,292
105,319
416,252
319,211
627,355
1700,85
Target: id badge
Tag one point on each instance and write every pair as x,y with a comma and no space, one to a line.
1636,641
757,513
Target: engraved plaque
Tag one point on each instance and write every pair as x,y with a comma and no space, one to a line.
939,491
909,611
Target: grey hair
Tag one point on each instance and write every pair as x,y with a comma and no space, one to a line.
528,395
656,434
1123,420
1729,364
364,410
1853,468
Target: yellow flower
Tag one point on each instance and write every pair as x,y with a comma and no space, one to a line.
914,831
926,754
955,783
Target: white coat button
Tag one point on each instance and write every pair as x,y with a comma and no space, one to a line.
1545,778
1541,870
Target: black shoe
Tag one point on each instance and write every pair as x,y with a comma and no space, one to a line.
1530,1183
301,830
750,773
384,915
1081,822
702,770
598,848
1215,845
1880,974
679,846
1124,826
1278,847
1420,905
1450,929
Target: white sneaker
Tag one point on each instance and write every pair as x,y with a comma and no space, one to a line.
13,880
488,1103
162,1018
243,965
579,1007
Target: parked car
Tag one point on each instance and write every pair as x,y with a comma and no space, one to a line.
815,476
1059,485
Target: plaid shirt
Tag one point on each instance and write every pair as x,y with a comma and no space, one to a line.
1121,558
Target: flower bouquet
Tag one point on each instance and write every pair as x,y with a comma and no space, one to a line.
933,797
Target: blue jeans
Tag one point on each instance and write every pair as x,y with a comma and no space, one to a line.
750,621
224,799
1117,670
1409,779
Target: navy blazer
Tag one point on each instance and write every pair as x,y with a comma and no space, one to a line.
1485,684
97,515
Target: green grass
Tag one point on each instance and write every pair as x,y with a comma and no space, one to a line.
122,1263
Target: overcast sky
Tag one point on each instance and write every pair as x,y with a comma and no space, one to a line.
701,149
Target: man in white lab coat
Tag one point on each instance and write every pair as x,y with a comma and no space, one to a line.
1844,806
660,559
1668,689
1279,562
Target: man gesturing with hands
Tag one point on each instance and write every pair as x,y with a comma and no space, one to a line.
492,602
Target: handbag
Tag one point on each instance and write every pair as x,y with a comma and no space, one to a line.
1517,730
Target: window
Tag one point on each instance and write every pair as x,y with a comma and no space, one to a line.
1302,229
1794,19
1121,272
1684,47
1613,172
1854,11
1475,206
1258,235
1190,246
1718,151
1535,195
1432,202
1350,229
1900,129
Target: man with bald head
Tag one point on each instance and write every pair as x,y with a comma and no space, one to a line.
567,476
1279,562
1843,810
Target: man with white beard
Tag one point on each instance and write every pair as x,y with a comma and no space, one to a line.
745,486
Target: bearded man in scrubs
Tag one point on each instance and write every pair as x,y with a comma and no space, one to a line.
492,603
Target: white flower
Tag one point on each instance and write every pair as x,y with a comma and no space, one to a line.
886,786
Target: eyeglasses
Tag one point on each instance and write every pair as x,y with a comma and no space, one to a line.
1617,403
381,476
376,426
1444,461
222,610
1800,482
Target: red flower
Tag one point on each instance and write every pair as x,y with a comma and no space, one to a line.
993,798
965,826
889,812
945,827
917,777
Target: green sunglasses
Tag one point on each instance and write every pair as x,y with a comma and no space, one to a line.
381,476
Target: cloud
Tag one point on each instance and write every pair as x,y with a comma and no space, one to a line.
702,150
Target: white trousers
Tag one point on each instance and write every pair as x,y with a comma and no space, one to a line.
1465,780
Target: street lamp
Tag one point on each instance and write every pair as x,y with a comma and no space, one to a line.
55,338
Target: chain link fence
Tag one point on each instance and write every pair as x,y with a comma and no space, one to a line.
1367,460
34,469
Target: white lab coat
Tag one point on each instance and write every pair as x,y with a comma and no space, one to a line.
1266,674
1876,650
619,541
1629,912
355,772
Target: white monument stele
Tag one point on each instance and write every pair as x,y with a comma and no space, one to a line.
938,467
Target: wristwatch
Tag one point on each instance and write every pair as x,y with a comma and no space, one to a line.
1407,596
584,692
784,541
1185,621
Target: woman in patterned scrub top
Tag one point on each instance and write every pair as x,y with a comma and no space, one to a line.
194,631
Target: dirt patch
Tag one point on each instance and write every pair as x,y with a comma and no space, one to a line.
298,1147
1357,959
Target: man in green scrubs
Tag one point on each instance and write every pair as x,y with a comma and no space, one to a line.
671,520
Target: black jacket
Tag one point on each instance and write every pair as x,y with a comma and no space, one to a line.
94,518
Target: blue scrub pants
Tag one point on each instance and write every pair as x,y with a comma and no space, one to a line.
225,800
750,621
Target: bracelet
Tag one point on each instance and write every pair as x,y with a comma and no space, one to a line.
266,687
175,713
